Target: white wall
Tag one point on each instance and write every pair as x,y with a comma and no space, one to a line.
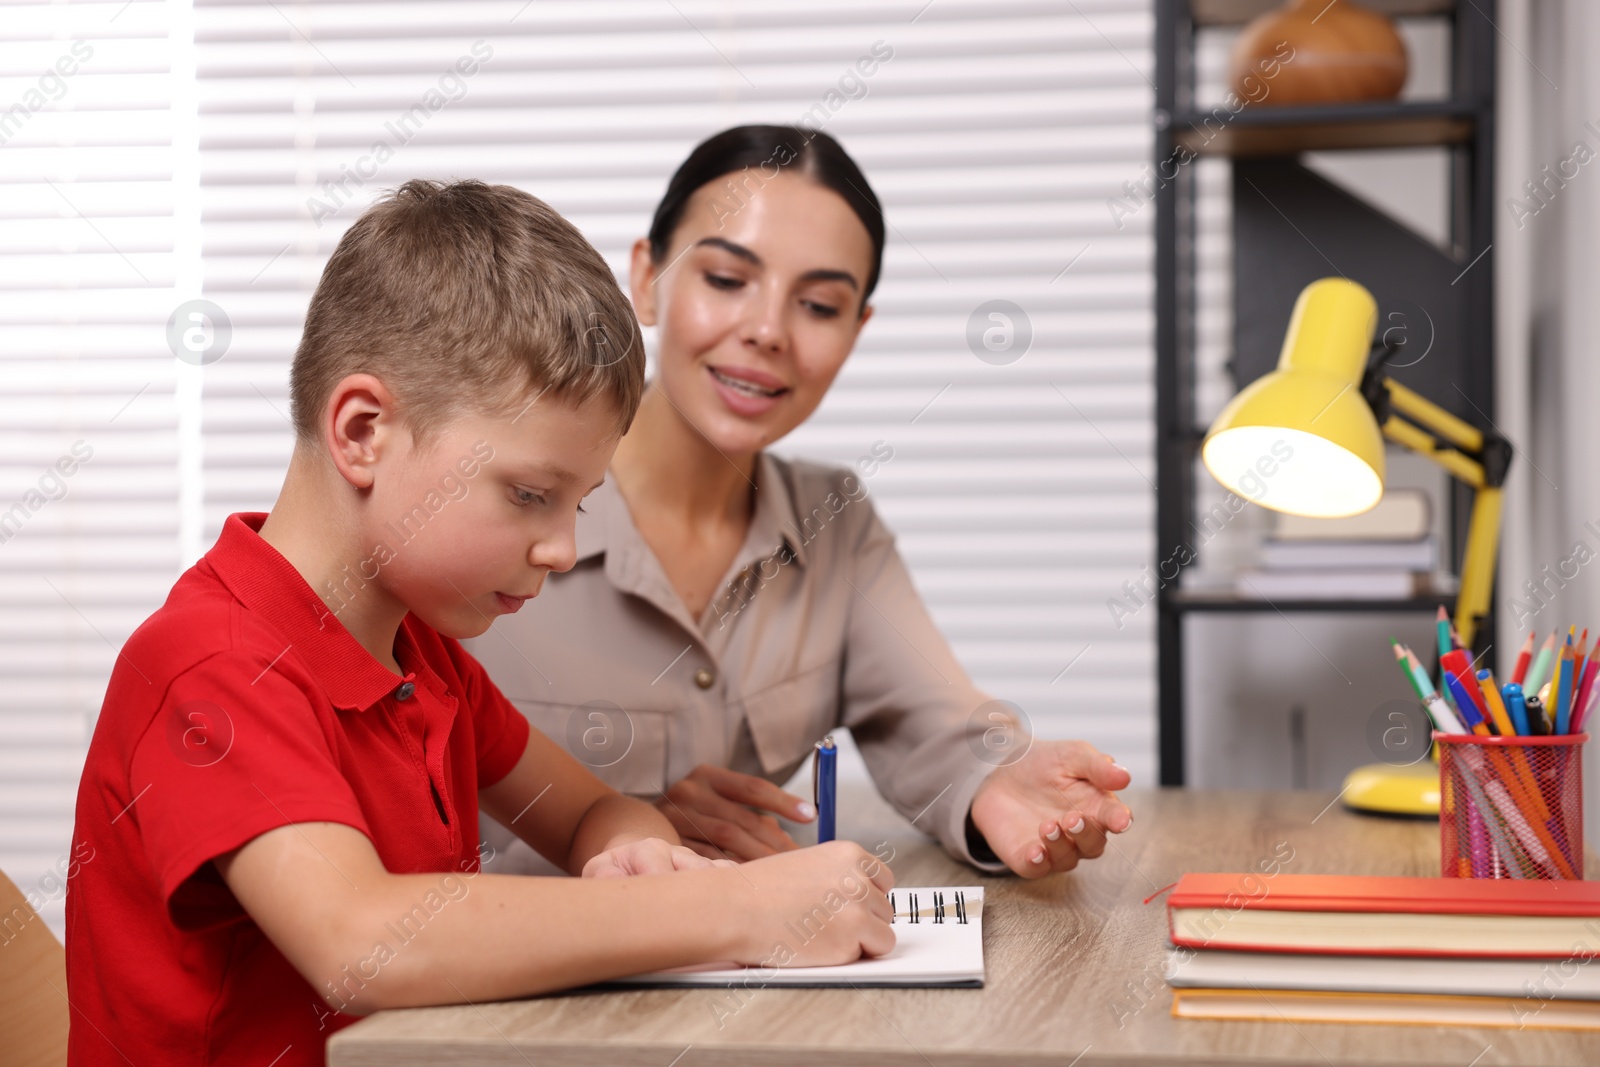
1548,376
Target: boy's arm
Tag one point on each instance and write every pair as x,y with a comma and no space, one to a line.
320,892
569,816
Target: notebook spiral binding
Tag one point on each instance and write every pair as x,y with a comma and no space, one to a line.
914,913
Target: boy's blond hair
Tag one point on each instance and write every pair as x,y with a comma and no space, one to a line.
467,296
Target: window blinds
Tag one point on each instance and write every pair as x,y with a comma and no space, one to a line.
224,148
98,420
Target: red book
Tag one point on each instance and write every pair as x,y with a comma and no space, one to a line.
1376,916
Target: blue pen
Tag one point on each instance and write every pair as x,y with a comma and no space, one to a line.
824,787
1516,706
1464,702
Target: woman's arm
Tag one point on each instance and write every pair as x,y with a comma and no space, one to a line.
941,750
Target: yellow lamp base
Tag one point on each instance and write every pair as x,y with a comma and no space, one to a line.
1381,789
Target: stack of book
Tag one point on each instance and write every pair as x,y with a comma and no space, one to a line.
1383,554
1432,951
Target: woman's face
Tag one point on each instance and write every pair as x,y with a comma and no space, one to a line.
758,301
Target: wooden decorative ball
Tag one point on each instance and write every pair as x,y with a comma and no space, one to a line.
1318,52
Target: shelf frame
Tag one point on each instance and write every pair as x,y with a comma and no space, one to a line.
1464,124
1238,12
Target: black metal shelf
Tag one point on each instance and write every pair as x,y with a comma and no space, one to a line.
1185,600
1238,12
1281,131
1290,226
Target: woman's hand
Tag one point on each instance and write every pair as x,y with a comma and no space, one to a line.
1052,807
648,855
812,907
712,811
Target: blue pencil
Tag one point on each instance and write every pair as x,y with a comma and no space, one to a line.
1465,705
1563,688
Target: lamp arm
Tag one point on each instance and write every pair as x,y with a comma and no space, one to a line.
1486,449
1435,419
1479,458
1459,464
1477,568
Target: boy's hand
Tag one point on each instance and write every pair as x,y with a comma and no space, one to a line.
1052,807
711,810
785,903
649,855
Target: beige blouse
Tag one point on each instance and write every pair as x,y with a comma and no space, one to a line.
817,626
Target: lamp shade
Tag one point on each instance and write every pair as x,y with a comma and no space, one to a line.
1303,439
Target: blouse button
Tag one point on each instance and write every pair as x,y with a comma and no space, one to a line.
405,691
704,678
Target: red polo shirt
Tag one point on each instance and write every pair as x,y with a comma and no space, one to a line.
240,706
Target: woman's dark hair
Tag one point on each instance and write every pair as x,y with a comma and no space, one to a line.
766,151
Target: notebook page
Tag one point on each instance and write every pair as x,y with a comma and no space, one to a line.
938,941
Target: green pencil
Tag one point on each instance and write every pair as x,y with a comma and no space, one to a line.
1441,627
1539,673
1405,668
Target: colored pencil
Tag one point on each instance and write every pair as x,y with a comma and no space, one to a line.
1497,706
1515,759
1423,680
1467,706
1583,714
1579,663
1444,720
1563,688
1443,714
1524,657
1580,699
1539,673
1441,632
1456,663
1405,668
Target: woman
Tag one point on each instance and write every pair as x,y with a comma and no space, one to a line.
729,608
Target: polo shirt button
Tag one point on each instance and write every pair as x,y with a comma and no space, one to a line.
405,690
704,678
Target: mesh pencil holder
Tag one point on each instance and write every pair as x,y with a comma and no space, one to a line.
1511,807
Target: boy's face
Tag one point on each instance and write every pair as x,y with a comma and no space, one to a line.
475,518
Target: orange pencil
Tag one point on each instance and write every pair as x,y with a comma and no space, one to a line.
1530,803
1524,658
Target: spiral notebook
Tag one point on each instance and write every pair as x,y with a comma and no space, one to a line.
938,941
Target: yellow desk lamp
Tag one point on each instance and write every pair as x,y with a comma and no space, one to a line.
1335,410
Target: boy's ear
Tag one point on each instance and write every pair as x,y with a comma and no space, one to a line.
642,282
359,424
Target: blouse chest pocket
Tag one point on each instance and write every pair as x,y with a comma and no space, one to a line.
789,717
625,749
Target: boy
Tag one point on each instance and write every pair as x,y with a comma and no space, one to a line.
282,790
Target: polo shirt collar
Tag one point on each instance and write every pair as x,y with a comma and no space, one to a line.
268,585
607,525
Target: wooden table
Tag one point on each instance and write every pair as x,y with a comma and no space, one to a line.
1074,971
